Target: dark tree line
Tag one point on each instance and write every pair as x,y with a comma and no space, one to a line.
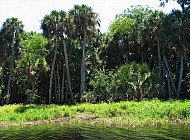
145,54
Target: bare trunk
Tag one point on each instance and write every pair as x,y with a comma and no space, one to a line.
159,57
66,94
169,85
11,68
63,82
180,76
51,75
83,65
169,72
68,72
58,85
56,97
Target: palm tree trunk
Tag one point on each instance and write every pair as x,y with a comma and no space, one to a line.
66,95
68,73
11,68
55,82
63,82
159,57
51,75
180,76
169,85
58,84
169,72
83,65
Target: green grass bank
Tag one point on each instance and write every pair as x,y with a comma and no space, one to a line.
154,112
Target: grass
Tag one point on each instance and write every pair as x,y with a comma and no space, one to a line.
154,112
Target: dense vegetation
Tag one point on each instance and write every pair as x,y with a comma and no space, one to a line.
129,113
145,54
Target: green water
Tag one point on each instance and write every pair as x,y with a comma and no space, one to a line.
84,132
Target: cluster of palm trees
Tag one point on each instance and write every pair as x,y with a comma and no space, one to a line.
76,28
71,58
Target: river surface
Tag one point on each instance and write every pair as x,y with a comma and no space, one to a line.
86,132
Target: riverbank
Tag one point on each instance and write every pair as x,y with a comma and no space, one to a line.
131,113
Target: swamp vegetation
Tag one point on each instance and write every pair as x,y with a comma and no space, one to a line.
73,82
143,56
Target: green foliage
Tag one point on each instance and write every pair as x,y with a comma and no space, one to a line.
32,60
103,87
52,22
33,49
129,82
122,26
82,17
134,80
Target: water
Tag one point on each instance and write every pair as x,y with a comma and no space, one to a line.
84,132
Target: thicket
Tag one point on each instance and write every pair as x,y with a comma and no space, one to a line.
129,82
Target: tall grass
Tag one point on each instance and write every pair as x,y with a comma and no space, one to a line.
144,112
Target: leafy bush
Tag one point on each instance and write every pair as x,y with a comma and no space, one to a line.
103,87
129,82
135,80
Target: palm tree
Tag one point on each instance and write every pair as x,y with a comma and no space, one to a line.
54,27
63,27
84,22
12,27
50,30
2,58
177,31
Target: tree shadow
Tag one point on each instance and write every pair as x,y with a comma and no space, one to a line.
24,108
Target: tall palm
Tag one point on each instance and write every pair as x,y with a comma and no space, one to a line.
150,33
64,30
177,26
54,28
84,22
49,26
2,58
11,27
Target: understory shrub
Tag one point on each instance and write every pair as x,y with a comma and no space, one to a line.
129,82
